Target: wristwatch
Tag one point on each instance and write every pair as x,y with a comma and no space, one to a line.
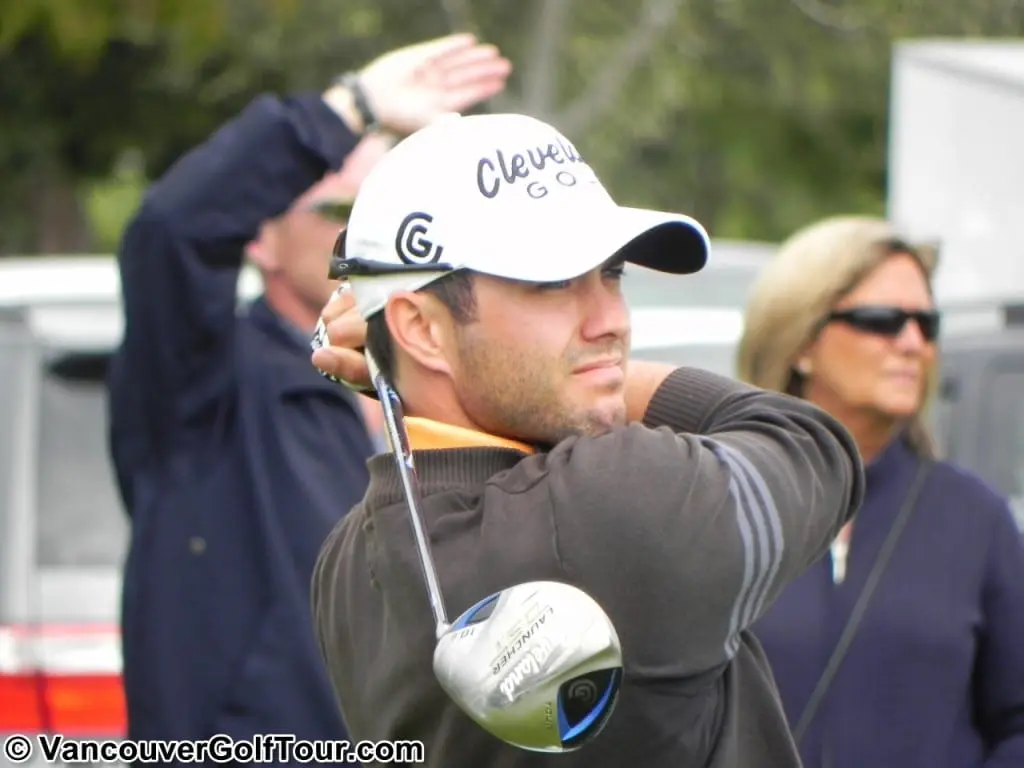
351,81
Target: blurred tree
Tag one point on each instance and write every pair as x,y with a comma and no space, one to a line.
771,113
82,80
755,115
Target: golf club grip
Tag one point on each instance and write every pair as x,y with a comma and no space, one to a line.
371,391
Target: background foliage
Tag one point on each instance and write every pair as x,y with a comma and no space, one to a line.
753,115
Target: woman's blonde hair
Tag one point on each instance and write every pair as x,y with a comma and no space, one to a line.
797,289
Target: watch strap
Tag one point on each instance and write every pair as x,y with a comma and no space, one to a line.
351,81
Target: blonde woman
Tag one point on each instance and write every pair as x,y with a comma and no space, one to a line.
903,648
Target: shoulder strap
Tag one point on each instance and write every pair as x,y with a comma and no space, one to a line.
862,601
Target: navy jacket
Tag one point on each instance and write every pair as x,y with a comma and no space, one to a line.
935,675
234,456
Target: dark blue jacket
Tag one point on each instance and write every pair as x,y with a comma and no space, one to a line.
935,675
234,456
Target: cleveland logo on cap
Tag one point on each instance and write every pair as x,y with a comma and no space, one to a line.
491,174
411,243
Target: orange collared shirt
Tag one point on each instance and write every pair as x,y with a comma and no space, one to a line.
427,434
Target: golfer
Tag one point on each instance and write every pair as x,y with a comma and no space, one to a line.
681,501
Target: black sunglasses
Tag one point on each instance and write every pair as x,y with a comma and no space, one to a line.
888,321
332,210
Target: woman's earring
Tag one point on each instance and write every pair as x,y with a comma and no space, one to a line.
803,367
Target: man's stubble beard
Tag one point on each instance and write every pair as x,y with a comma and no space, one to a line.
507,394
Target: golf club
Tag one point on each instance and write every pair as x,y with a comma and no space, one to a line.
539,664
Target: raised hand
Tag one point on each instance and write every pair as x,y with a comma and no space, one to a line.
410,87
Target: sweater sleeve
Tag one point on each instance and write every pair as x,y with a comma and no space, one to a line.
999,682
701,515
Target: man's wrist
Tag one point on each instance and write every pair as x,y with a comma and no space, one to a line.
642,380
341,100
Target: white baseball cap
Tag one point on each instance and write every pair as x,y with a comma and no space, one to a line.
503,194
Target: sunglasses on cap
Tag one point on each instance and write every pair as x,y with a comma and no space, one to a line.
332,210
888,321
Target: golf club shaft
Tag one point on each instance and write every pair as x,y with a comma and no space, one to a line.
400,447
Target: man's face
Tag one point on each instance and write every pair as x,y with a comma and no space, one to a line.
295,249
303,239
542,362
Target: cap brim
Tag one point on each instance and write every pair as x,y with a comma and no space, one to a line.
666,242
566,249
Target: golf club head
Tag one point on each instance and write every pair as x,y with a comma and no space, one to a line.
537,665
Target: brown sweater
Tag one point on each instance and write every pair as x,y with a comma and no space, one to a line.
684,528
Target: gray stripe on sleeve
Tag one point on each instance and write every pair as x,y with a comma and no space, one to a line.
777,539
732,640
761,533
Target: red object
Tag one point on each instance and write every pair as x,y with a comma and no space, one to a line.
54,697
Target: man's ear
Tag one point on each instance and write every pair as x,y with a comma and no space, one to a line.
261,251
420,328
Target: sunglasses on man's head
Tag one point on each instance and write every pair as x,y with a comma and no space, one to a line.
333,210
888,321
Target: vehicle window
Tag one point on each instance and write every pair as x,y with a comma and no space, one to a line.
711,287
1008,414
11,367
15,357
942,412
81,522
